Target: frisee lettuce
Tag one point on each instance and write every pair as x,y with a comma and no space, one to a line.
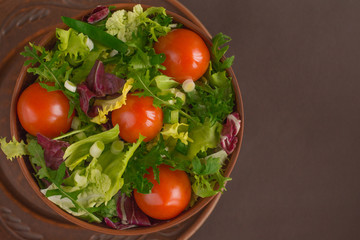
73,45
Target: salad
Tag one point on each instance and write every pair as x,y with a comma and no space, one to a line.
131,118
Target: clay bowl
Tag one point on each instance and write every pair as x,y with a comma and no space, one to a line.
25,79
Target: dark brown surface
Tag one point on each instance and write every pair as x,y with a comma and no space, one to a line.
297,63
298,66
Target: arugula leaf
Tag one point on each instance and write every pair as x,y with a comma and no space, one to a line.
37,158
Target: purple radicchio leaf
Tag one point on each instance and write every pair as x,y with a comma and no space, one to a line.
230,129
108,125
98,84
117,225
98,14
85,96
53,151
102,83
129,213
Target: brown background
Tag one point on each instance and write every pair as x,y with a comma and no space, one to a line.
297,62
298,67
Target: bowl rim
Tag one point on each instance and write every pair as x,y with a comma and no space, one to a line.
16,128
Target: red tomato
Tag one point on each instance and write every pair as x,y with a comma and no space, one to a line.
167,199
44,112
138,116
187,56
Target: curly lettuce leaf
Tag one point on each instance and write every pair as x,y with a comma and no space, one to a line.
92,183
105,106
208,177
73,45
13,148
124,24
177,131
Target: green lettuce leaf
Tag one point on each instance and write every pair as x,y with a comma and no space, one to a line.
114,166
78,152
164,82
102,178
204,136
13,148
124,24
73,45
208,177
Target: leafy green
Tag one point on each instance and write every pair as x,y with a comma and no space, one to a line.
217,53
204,136
176,131
80,73
52,66
91,182
164,82
214,103
13,148
73,45
124,23
107,210
204,186
138,166
96,34
114,166
207,175
37,158
79,151
96,184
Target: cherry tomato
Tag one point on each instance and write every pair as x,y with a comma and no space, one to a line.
138,116
44,112
187,56
167,199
